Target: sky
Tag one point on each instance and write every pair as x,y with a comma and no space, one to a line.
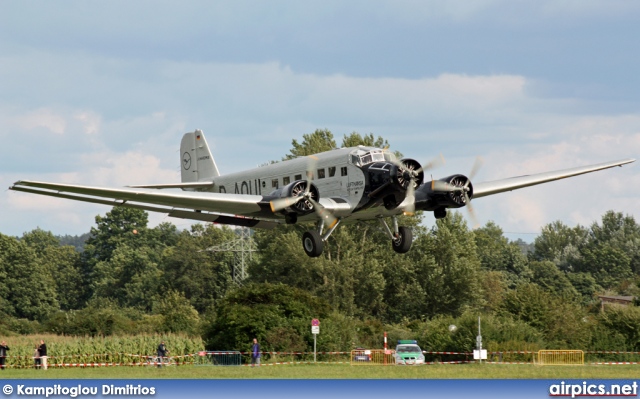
100,93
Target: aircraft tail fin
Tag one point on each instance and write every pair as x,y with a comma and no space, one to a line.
197,163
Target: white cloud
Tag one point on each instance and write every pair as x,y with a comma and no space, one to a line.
43,117
250,112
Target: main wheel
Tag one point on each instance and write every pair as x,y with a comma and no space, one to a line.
402,243
312,243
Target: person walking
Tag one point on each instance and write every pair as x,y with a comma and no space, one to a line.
3,354
255,353
42,352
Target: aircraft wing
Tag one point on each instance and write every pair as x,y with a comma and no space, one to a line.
236,209
499,186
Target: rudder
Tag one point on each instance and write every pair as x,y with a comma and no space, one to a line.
197,163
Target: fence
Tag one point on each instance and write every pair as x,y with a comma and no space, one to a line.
224,358
355,357
371,357
560,357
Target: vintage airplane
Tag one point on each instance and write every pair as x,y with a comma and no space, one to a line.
340,186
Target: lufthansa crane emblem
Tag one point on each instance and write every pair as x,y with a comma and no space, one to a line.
186,161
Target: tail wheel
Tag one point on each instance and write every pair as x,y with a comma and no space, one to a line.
402,242
312,243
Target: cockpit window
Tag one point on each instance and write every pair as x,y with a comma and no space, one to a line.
361,157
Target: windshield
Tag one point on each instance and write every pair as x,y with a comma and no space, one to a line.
408,348
363,157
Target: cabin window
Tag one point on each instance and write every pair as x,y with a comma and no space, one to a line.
274,183
286,180
343,171
297,177
332,171
321,173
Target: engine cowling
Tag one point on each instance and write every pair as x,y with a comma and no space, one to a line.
434,196
388,182
295,189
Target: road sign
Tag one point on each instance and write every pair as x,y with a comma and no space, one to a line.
315,329
315,322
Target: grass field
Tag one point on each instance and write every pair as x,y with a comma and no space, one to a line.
339,371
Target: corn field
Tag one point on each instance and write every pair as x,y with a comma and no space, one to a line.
123,350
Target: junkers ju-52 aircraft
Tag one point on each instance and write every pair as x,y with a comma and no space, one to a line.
344,185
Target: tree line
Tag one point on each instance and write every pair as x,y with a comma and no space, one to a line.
129,278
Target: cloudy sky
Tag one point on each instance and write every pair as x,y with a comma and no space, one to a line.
100,93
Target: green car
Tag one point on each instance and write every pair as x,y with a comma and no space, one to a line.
408,352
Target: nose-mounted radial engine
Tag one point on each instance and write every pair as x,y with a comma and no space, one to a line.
389,182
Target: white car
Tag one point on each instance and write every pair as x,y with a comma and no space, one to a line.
408,352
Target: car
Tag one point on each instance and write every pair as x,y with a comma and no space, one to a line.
361,355
408,352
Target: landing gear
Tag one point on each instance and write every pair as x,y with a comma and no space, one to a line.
402,241
312,243
401,236
313,240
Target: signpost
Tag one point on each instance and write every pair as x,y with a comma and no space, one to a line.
315,330
479,354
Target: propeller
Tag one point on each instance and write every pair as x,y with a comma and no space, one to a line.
477,164
443,186
411,175
297,196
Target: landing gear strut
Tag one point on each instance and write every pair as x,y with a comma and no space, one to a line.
401,236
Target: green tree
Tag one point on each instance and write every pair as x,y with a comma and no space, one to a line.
40,240
257,310
319,141
178,313
623,321
120,226
130,277
62,265
562,323
617,234
27,289
561,245
609,264
355,139
447,267
550,278
497,253
201,276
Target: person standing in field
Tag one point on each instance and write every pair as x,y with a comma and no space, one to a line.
36,357
162,353
3,354
42,352
255,353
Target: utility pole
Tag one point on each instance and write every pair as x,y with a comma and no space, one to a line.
242,248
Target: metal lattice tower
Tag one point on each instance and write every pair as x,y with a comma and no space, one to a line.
242,248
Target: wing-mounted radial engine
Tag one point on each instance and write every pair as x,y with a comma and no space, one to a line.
454,191
388,182
295,199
